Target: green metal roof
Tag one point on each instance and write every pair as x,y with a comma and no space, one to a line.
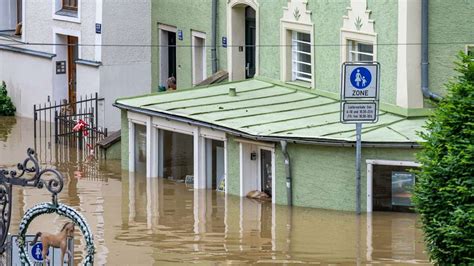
264,109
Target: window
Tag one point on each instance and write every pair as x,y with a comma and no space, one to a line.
470,50
70,4
360,52
301,57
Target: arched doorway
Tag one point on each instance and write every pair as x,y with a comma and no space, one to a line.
242,28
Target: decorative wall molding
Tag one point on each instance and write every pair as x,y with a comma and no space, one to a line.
252,3
358,18
297,11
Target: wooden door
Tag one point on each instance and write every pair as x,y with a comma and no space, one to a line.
71,64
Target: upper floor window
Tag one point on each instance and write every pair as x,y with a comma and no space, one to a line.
67,10
301,57
70,4
360,52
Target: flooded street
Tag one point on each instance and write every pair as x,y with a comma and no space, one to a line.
140,221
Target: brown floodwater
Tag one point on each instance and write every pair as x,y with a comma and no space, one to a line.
140,221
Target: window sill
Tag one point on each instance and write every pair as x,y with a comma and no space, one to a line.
299,83
67,15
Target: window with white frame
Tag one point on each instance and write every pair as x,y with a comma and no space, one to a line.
470,50
360,52
301,57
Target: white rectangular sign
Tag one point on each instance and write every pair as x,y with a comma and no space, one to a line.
360,81
34,252
358,112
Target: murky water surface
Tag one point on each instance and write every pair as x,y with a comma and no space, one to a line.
136,221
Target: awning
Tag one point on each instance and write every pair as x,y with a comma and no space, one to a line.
264,110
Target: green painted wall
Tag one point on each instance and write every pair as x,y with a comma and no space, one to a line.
114,152
187,15
451,27
124,139
327,19
448,35
233,166
324,177
385,15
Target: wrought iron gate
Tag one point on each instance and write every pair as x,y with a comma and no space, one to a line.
54,123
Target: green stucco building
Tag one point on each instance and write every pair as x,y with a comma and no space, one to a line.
275,126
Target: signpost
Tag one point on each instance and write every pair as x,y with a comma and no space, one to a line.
34,252
360,91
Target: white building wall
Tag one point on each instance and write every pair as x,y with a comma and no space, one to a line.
28,79
123,71
40,24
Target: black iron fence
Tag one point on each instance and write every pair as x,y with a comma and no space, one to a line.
55,122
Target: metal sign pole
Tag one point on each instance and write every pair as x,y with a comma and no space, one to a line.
358,163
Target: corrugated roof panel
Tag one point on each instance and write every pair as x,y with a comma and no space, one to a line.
276,109
248,103
181,95
287,116
263,94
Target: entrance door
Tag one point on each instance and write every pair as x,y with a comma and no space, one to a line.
266,171
172,54
72,53
199,57
250,42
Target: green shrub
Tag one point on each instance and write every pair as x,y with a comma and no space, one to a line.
6,105
444,191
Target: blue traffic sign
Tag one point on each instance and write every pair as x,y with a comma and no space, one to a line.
36,252
360,81
361,78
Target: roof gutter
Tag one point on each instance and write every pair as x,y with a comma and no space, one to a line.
312,141
427,93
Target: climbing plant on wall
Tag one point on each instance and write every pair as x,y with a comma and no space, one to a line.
444,190
6,105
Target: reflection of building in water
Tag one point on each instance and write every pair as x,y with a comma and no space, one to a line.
394,236
200,224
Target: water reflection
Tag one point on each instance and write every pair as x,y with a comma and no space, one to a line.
146,221
179,224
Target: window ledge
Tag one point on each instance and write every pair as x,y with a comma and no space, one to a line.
299,83
67,15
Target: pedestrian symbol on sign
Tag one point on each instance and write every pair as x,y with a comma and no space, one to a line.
361,78
36,252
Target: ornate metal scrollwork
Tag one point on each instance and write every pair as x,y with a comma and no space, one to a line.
27,174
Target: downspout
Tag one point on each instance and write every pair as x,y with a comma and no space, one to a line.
214,37
425,54
289,189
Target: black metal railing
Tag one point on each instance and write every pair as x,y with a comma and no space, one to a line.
55,122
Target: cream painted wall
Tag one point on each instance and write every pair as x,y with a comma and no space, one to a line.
409,56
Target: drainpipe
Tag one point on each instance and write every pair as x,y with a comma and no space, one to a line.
289,189
214,37
425,54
